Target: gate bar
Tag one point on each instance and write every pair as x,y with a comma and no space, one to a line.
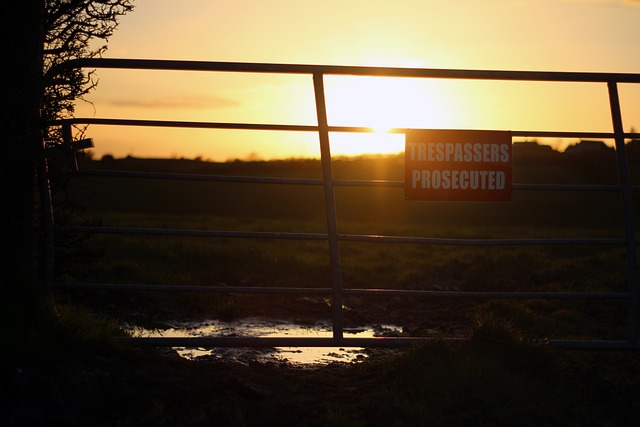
319,71
341,237
249,67
330,205
376,342
627,202
369,292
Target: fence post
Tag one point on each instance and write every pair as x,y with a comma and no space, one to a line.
46,205
627,202
330,204
67,146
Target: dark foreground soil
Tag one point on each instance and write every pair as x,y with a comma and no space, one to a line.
488,379
150,389
86,382
128,387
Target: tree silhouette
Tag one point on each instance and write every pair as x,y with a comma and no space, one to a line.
70,28
39,34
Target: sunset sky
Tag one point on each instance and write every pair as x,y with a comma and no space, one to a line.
546,35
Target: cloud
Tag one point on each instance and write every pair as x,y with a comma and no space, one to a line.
177,102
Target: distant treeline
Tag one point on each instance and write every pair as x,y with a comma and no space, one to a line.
532,163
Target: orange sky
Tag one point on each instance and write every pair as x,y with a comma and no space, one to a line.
549,35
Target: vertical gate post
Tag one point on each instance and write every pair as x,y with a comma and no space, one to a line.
67,146
330,205
627,202
46,205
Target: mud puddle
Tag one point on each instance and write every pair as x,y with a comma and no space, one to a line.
260,327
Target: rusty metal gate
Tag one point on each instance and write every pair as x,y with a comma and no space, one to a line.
336,292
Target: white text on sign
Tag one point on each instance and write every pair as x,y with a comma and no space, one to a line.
463,152
458,165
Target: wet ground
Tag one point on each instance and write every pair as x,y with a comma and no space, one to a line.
278,317
263,327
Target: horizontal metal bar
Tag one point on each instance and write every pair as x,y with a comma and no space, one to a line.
565,187
516,187
375,292
198,177
342,237
306,128
205,342
487,294
188,124
514,133
376,342
367,183
318,182
190,233
177,65
480,242
191,288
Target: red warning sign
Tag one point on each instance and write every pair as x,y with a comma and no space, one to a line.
464,165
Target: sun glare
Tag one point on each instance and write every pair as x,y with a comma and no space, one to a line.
352,144
383,104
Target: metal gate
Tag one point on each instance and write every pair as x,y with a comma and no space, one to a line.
333,237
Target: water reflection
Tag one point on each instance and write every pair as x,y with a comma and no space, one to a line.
259,327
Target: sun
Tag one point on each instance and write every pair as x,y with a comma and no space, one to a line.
384,105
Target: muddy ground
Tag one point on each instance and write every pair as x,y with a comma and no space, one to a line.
476,383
